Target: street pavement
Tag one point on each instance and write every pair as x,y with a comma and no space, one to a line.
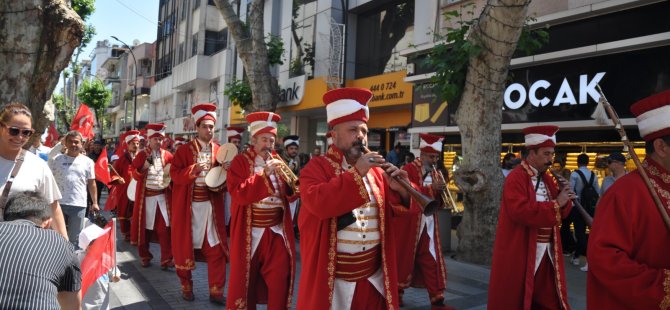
152,288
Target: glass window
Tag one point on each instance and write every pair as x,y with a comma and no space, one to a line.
381,34
215,41
303,34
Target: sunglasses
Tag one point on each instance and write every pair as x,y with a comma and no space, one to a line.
15,131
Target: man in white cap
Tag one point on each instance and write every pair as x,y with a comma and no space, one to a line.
629,264
262,245
348,199
527,270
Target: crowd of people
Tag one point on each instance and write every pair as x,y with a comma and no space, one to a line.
364,239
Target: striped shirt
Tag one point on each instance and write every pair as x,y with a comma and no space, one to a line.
35,264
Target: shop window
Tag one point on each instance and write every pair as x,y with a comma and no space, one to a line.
303,34
381,34
215,41
211,2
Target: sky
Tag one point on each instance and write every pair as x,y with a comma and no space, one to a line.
125,19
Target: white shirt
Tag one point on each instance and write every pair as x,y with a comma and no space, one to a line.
72,175
266,203
541,194
34,175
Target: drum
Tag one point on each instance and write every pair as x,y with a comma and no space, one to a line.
215,177
166,175
226,153
132,187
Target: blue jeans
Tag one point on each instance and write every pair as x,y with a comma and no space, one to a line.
74,222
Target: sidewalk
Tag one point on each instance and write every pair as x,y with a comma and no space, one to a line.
152,288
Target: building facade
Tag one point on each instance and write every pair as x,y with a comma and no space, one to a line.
193,63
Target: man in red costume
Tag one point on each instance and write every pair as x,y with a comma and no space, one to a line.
262,266
123,166
629,260
527,269
151,211
234,135
347,243
198,209
420,234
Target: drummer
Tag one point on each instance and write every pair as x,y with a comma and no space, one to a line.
198,208
151,212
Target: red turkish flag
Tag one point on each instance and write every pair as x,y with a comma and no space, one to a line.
83,122
102,168
100,258
52,136
112,198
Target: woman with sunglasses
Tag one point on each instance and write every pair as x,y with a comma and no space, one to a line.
33,174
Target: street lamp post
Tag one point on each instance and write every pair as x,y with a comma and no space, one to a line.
135,84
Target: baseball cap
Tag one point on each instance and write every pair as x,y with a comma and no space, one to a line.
617,156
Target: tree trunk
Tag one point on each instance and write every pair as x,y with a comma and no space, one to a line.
254,53
479,118
37,39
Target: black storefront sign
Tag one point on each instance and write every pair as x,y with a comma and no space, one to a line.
427,108
565,91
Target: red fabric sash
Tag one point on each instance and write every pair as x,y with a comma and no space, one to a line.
354,267
148,192
200,194
261,217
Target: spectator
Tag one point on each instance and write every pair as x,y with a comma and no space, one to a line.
579,180
316,152
33,173
507,163
38,268
616,162
74,173
97,295
394,156
409,157
40,149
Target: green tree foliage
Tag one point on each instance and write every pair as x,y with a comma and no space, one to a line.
275,50
84,8
94,94
239,92
451,57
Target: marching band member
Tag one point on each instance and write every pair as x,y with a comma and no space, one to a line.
262,262
123,165
151,212
419,235
348,200
235,137
198,209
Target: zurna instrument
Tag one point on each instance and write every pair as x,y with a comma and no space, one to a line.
588,219
428,205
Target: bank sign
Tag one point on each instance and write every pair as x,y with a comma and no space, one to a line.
566,91
292,91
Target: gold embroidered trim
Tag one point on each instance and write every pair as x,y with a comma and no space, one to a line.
665,303
661,192
655,172
188,265
332,244
359,242
361,186
354,229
